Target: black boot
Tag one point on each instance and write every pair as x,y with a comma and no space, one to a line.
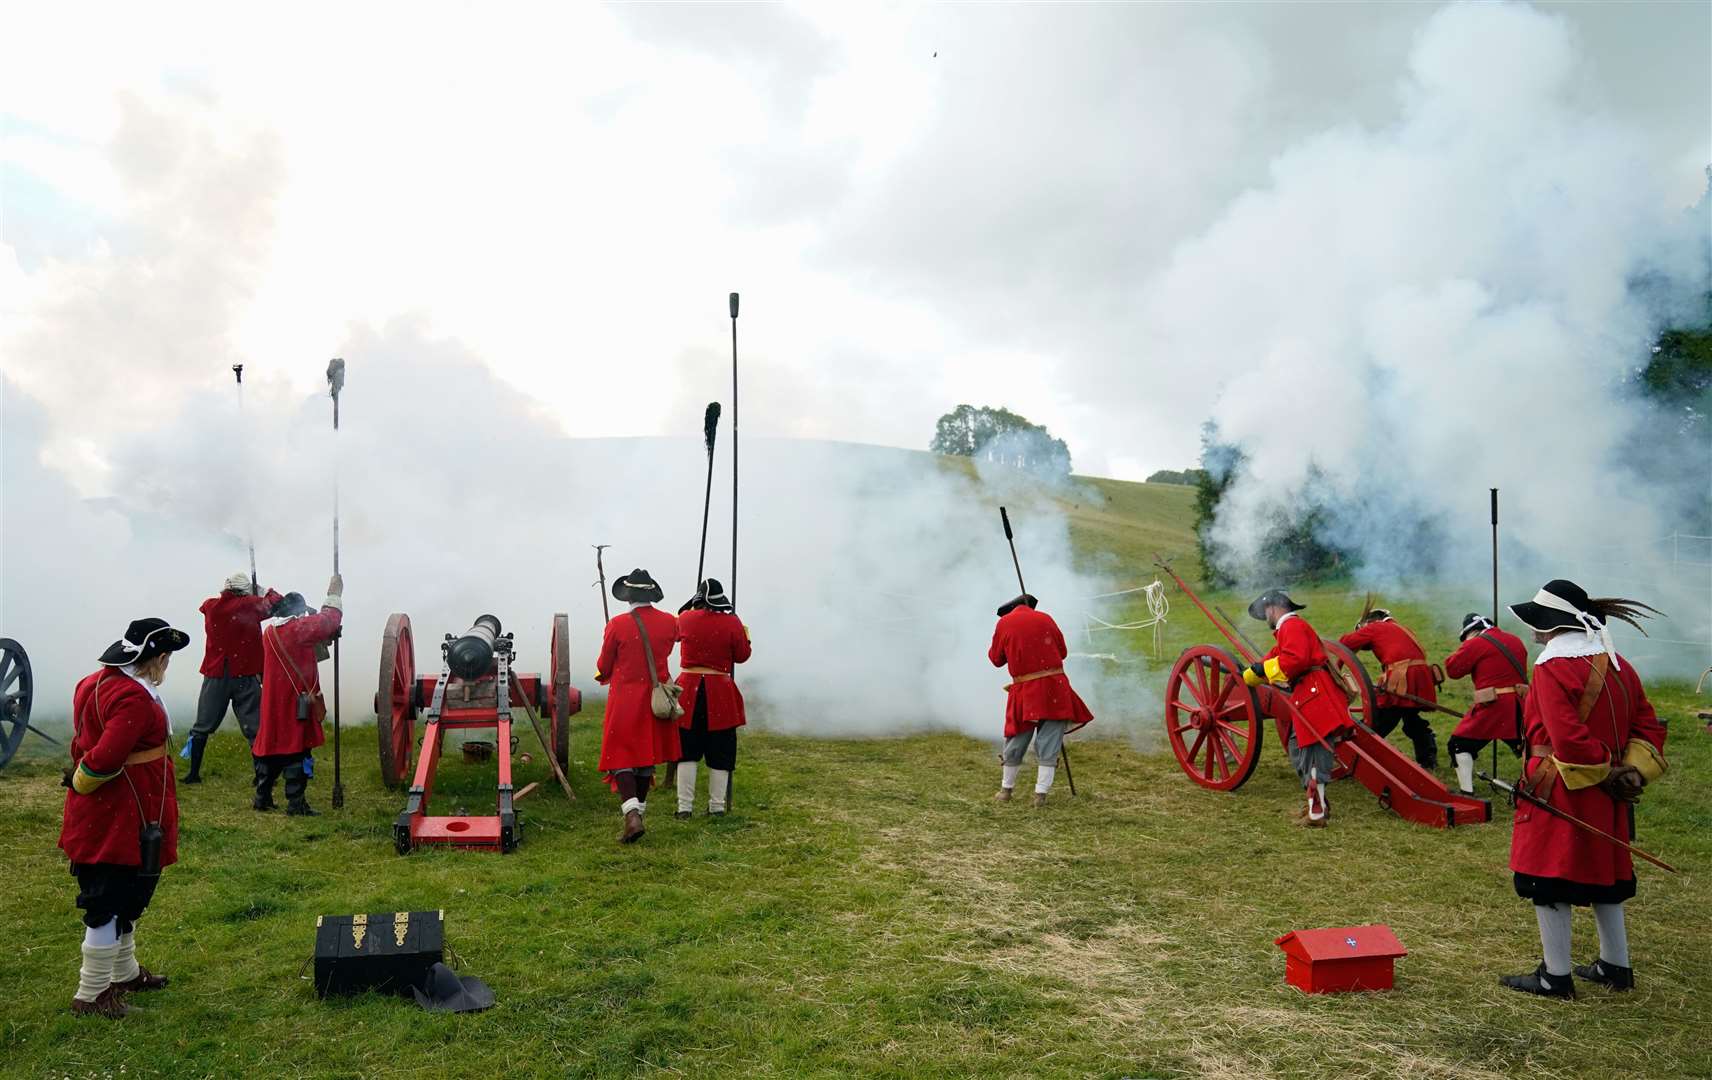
263,799
296,791
197,746
1541,983
1608,975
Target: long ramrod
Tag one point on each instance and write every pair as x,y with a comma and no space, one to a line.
1518,792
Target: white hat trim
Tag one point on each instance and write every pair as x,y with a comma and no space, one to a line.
1590,623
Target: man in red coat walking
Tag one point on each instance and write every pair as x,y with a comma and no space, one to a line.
1404,670
1497,662
1040,705
1594,744
712,641
120,824
633,656
292,705
231,664
1297,665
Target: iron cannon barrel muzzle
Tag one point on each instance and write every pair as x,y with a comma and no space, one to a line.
470,656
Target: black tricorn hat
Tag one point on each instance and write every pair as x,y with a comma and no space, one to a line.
1550,609
1473,623
144,640
291,605
1011,605
445,990
1272,598
638,587
710,595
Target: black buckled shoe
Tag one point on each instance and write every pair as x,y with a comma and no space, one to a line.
301,808
1541,983
1607,975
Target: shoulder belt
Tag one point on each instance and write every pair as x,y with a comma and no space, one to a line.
271,636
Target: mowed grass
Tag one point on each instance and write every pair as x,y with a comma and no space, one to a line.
866,911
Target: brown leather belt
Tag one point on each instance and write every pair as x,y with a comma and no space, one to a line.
1488,695
702,671
1033,675
143,757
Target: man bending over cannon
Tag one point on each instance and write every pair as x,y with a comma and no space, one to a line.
1040,705
1297,664
292,706
1405,682
231,664
712,641
1497,662
635,736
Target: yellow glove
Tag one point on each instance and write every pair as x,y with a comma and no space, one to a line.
1250,678
1275,672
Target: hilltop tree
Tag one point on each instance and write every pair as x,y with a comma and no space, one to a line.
1002,437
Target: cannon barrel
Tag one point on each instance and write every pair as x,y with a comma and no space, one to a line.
470,656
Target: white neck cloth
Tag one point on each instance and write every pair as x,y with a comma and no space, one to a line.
1590,623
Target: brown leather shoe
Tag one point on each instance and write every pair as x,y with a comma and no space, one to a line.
145,980
1039,799
633,829
1004,795
109,1005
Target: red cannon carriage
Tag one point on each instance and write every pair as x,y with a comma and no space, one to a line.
1215,724
466,694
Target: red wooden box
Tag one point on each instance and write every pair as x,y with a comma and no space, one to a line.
1340,958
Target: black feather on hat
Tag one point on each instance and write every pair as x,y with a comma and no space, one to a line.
144,640
1272,598
1026,599
1538,615
638,587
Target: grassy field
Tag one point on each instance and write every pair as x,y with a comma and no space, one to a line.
868,911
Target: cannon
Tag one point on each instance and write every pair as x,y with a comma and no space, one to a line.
1215,724
475,688
17,691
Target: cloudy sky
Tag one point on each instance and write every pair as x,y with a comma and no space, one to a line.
920,205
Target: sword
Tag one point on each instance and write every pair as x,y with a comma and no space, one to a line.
1516,792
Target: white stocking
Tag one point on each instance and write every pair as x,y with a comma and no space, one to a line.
1010,775
686,786
1613,934
1554,938
100,948
1043,778
718,783
1465,773
125,960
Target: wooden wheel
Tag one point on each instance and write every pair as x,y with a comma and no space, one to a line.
17,690
1353,677
1212,718
558,681
395,700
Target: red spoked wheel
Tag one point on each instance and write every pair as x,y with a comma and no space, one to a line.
395,700
1212,718
560,703
1353,677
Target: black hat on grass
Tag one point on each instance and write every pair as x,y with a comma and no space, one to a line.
638,587
446,991
144,640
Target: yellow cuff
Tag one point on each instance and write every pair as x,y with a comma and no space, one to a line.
1576,777
1249,677
85,782
1275,672
1645,757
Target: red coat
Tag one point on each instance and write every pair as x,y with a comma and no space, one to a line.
631,736
718,641
1479,659
281,732
1547,846
1320,702
113,717
233,622
1029,641
1392,644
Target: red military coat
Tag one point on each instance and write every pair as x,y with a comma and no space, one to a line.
632,738
1549,847
233,622
1482,661
717,641
1320,703
281,732
113,717
1392,644
1029,641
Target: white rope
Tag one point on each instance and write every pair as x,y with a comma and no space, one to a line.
1158,608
